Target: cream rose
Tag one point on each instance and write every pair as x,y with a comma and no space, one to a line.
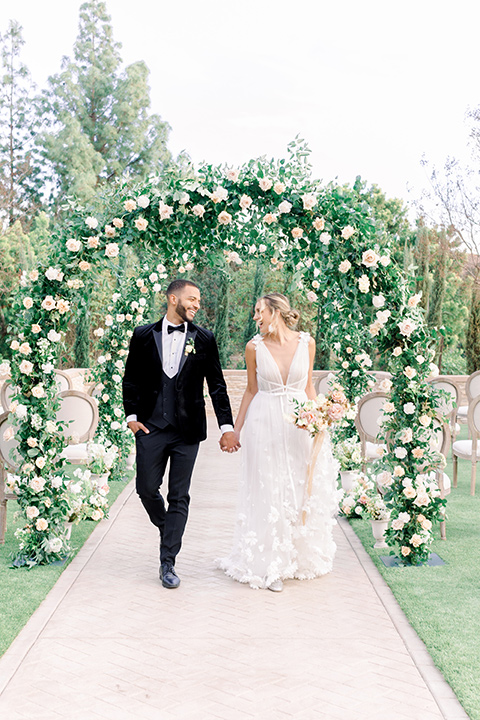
118,223
40,462
397,351
93,242
141,224
284,207
224,218
48,303
297,233
232,175
130,205
269,218
143,201
318,223
245,202
38,391
32,512
424,420
73,245
347,232
91,222
414,300
363,284
27,303
370,258
409,492
41,524
409,372
63,306
378,301
279,188
164,211
265,184
309,201
26,367
311,296
345,266
219,195
84,265
407,327
198,210
112,250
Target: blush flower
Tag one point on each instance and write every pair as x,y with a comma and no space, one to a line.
279,188
363,284
141,224
370,258
224,218
345,266
265,184
284,207
309,201
112,250
318,223
297,232
165,211
407,327
130,205
347,232
245,202
198,210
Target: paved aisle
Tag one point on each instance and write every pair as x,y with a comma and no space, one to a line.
116,645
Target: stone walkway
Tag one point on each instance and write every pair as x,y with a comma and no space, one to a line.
110,643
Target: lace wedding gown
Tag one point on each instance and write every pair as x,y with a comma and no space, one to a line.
271,541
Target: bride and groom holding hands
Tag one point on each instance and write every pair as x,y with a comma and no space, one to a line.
280,533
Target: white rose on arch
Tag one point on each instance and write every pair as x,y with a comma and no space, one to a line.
143,201
370,258
164,211
378,301
73,245
345,266
347,232
407,327
284,207
309,201
363,284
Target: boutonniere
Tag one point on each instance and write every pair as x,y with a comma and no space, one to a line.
190,347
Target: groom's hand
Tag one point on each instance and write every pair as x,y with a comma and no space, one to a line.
135,426
229,442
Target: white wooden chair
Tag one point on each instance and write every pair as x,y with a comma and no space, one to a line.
7,393
79,411
63,380
368,424
9,462
448,407
380,375
323,382
468,449
472,390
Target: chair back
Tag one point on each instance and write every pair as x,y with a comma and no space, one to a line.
63,380
96,390
473,419
9,456
447,406
381,375
323,382
472,386
7,392
441,433
80,413
369,413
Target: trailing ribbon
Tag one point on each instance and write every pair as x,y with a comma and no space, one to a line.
316,447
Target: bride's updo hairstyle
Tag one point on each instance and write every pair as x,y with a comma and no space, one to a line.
277,301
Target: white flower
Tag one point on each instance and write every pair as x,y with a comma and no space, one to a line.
406,435
91,222
378,301
21,411
50,426
325,238
26,367
73,245
424,420
279,188
434,371
219,195
245,202
54,336
265,184
311,296
309,201
55,545
269,218
8,434
262,248
165,211
409,372
224,218
112,250
363,284
198,210
284,207
143,201
130,205
400,453
232,175
38,391
370,258
297,232
347,232
99,332
141,224
414,300
54,274
32,512
115,425
184,198
48,303
407,327
345,266
397,351
409,408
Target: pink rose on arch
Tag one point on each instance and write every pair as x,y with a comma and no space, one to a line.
335,412
232,175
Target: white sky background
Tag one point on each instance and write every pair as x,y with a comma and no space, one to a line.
370,85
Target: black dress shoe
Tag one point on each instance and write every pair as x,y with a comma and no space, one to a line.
168,576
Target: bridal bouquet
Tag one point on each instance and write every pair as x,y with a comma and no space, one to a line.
323,412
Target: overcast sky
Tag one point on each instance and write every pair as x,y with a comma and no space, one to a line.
371,86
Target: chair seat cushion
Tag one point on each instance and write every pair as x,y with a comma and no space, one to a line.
463,449
75,453
373,450
462,411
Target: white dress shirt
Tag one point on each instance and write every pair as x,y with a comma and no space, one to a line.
173,345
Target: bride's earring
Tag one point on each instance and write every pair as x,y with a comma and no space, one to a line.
271,328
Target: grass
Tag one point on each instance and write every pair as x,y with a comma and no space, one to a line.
22,590
443,603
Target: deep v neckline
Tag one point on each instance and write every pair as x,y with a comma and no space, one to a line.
284,384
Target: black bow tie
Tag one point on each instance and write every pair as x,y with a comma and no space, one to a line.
172,328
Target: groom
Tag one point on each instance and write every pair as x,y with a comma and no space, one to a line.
167,364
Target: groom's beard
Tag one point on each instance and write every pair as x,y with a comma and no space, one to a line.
182,312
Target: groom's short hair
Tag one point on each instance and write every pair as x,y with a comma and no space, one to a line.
177,285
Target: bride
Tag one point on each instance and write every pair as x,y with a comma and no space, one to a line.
280,532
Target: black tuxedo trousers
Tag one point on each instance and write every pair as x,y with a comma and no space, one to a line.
153,451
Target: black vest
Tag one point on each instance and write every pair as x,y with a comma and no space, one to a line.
164,411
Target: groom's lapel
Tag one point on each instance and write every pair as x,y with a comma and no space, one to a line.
190,334
157,334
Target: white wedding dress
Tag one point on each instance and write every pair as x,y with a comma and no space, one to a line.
272,541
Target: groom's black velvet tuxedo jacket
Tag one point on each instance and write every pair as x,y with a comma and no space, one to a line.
143,380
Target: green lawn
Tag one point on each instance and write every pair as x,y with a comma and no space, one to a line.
22,590
443,603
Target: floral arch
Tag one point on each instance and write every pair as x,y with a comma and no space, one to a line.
339,257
